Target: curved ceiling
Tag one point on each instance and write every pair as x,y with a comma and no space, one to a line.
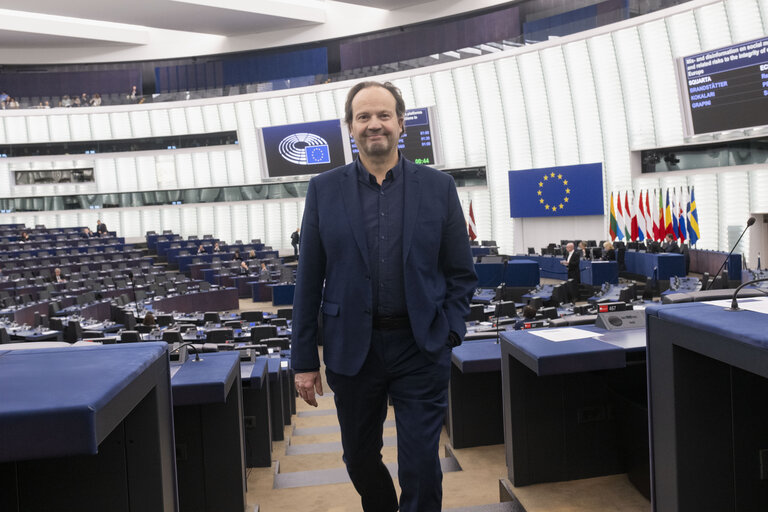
55,32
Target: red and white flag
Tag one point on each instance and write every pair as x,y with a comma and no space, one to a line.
471,227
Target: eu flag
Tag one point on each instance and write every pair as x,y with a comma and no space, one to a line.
318,154
557,191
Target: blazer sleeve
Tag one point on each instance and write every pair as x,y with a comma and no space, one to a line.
310,276
457,265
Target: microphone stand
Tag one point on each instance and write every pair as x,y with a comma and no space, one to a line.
503,289
734,304
749,223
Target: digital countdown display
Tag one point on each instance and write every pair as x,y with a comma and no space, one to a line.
725,89
417,143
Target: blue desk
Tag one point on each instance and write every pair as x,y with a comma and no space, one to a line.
643,263
261,291
519,272
474,396
208,422
256,414
68,414
276,398
598,272
708,385
282,294
570,407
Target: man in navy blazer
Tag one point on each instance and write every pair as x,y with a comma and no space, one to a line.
386,260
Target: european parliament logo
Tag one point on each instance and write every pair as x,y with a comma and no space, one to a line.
556,191
304,149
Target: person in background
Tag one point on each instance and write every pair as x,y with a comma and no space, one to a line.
295,242
58,277
237,256
670,244
583,251
264,274
201,249
529,313
12,103
66,101
149,318
572,262
133,95
96,100
23,237
87,233
244,269
216,247
609,253
101,228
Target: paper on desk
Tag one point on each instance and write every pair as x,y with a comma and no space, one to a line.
564,334
756,304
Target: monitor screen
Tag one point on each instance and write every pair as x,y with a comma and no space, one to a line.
419,141
304,148
726,88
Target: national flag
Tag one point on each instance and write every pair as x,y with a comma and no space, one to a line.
650,229
640,212
471,227
619,217
681,216
613,225
693,220
627,217
673,210
662,225
634,228
668,228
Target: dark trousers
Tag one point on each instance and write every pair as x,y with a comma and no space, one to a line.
295,249
418,387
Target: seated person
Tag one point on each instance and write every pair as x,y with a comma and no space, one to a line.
24,237
149,318
252,254
529,313
237,256
216,247
58,277
670,245
264,274
87,233
609,253
201,249
244,267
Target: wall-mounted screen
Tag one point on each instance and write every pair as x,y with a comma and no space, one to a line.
725,89
303,148
419,142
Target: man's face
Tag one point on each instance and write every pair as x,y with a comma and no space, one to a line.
375,126
569,247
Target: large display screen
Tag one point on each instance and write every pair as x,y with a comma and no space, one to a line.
417,143
725,89
303,148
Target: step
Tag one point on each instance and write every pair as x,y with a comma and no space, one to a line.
328,429
509,506
334,447
339,475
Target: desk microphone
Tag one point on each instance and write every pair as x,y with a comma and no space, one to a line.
749,223
734,304
503,288
191,346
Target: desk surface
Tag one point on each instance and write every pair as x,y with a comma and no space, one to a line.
605,351
477,356
59,402
207,381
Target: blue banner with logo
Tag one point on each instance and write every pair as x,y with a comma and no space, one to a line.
560,191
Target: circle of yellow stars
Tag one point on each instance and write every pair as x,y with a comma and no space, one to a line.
553,178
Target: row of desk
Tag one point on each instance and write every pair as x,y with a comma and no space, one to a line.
118,428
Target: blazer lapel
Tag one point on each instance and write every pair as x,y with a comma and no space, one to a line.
351,198
411,206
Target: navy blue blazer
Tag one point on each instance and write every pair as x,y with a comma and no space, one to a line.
333,273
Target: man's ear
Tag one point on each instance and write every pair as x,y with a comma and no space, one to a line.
401,122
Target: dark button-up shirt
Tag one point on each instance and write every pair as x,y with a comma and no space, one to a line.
382,207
